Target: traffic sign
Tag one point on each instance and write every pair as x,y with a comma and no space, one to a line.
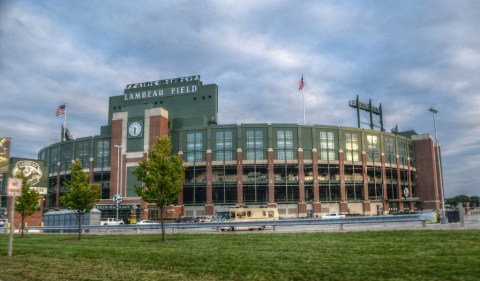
14,187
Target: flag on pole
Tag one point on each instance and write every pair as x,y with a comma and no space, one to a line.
300,87
60,110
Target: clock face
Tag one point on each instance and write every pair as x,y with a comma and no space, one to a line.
135,129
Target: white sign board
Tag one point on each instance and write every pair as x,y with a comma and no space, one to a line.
117,198
40,190
14,187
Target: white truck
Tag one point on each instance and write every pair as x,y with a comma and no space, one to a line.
333,216
111,221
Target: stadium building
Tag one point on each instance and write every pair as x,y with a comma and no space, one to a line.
304,170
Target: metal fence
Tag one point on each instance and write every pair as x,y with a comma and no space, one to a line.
423,218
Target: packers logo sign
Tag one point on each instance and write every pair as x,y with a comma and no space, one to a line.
30,169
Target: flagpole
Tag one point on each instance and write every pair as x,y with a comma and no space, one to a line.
303,97
65,120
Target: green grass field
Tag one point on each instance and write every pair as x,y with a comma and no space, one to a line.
379,255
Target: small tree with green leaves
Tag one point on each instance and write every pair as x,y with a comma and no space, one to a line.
80,196
27,203
162,175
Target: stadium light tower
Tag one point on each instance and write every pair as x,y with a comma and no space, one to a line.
439,164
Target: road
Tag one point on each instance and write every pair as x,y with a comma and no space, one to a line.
470,222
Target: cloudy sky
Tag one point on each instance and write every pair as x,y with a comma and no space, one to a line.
406,55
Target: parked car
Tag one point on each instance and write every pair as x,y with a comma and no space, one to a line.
333,216
185,220
203,219
111,221
193,219
3,223
146,222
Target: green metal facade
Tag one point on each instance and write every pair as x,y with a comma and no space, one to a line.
385,147
359,160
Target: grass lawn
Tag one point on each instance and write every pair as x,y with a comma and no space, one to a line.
379,255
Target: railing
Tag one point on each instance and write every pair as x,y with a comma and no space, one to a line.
423,218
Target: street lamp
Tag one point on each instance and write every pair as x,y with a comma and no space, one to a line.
439,164
117,197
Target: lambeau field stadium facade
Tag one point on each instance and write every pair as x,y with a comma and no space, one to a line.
303,170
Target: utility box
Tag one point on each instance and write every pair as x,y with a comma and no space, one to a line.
69,218
453,216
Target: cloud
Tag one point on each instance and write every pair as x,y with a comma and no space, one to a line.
406,55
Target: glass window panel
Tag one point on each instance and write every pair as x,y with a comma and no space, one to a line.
194,147
224,146
254,145
327,146
351,147
373,148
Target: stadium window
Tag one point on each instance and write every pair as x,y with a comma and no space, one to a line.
285,145
373,151
254,145
351,147
390,150
327,146
224,145
194,147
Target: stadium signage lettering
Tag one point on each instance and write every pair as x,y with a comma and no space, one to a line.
154,93
163,82
160,93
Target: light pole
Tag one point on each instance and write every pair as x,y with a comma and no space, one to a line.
115,198
439,164
119,169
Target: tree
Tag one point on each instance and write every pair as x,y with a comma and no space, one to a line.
27,203
80,196
162,175
473,201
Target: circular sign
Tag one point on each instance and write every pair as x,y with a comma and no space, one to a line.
30,169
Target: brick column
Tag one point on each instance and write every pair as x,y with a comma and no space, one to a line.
427,186
181,207
91,171
119,120
410,190
123,175
57,194
343,193
302,206
209,204
240,177
180,194
156,125
366,199
271,179
317,207
145,213
399,185
386,204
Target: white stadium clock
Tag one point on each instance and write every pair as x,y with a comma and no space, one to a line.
135,129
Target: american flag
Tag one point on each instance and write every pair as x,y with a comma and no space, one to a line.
60,110
300,87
